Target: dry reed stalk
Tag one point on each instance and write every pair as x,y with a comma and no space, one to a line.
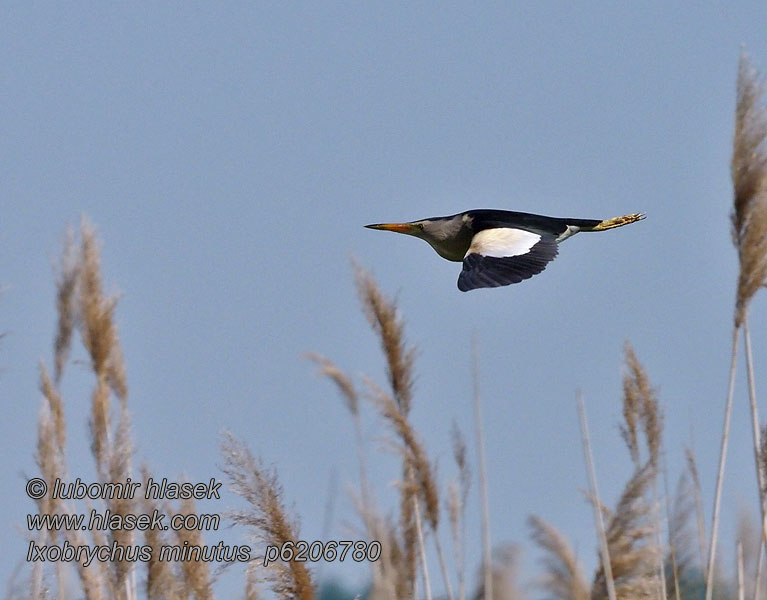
456,507
100,426
763,456
385,575
81,305
50,459
628,428
630,539
112,450
351,399
681,536
119,471
762,461
711,564
453,506
411,449
421,545
99,337
503,572
51,439
47,460
692,468
605,561
672,545
443,565
749,228
641,409
749,233
382,315
563,577
266,517
96,311
162,581
56,407
418,470
763,469
741,590
487,559
411,552
749,178
344,384
748,538
757,453
66,282
196,573
251,582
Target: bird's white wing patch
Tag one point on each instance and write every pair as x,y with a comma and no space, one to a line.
504,255
503,241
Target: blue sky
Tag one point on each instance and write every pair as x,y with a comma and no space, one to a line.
229,156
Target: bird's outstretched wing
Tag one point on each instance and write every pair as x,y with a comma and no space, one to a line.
504,255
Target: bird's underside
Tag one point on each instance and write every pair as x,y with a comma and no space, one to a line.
499,247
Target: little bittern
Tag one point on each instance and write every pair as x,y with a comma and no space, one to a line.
499,247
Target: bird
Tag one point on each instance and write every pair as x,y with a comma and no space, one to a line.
499,247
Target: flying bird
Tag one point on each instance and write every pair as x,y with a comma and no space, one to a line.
499,247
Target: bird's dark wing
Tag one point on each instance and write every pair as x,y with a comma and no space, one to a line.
504,255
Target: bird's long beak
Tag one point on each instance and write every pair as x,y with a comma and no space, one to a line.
396,227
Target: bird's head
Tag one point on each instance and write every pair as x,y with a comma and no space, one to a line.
449,236
436,229
415,228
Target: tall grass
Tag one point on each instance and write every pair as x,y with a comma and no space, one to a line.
749,234
651,546
633,545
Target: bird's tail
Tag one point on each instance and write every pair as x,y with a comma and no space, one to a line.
616,222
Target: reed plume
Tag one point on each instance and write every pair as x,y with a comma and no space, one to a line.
632,548
388,580
66,282
267,518
417,482
563,578
641,411
382,315
413,452
197,581
163,579
749,178
749,234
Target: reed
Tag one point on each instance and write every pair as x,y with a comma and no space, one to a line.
563,577
266,517
749,235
